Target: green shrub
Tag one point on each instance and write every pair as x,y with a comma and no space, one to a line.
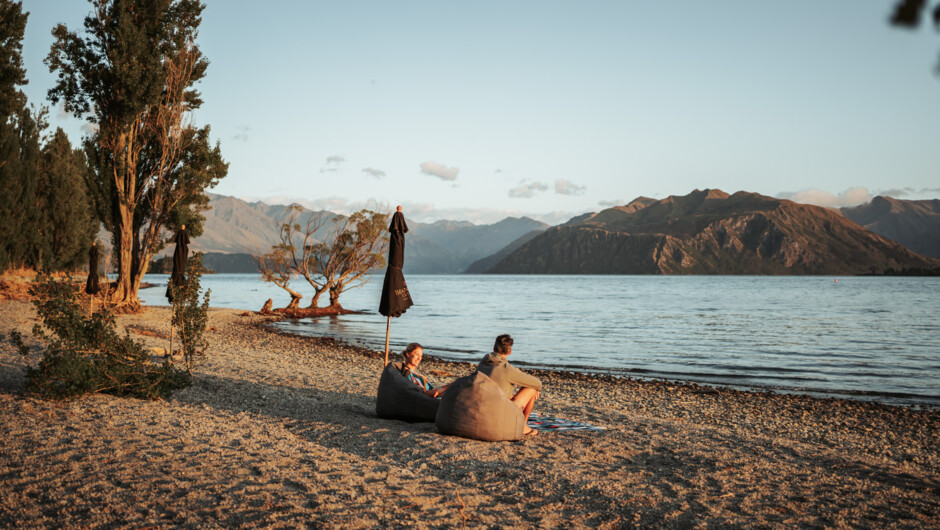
85,354
189,316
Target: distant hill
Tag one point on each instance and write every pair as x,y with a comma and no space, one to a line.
711,232
423,256
481,266
470,242
914,224
235,228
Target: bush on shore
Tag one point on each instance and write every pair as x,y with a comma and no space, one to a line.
189,315
85,354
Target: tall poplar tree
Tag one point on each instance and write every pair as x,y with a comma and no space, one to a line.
66,220
12,113
131,73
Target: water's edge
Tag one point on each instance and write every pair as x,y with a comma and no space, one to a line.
713,380
864,338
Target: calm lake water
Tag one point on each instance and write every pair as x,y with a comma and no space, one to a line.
858,337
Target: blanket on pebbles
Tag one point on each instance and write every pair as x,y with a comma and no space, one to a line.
542,422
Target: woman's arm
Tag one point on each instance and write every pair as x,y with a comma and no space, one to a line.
436,392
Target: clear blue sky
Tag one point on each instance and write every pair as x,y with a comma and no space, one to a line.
478,110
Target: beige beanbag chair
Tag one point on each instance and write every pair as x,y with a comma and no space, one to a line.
398,398
475,407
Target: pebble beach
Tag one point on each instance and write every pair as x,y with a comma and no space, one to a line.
280,431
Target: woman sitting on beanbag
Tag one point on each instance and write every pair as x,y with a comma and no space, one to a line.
412,356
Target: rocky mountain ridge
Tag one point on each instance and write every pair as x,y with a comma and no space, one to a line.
711,232
914,224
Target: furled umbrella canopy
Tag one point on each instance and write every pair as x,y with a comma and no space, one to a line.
180,255
91,286
395,296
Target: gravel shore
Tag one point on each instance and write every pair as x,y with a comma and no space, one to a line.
280,431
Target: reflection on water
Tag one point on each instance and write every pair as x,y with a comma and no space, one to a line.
860,336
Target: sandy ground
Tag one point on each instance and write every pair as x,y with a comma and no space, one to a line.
280,431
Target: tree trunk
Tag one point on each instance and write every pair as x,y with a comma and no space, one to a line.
126,291
124,173
315,303
294,299
266,309
334,297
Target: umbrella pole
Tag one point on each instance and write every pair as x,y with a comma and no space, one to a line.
388,325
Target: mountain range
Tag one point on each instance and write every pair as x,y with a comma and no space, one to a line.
711,232
914,224
704,232
234,229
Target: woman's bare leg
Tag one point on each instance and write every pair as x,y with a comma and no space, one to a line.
525,400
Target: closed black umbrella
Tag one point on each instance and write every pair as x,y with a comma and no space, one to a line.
395,296
91,286
177,278
180,255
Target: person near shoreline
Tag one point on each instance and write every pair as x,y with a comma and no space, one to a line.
508,377
412,356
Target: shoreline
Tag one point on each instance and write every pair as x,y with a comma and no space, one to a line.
914,401
280,430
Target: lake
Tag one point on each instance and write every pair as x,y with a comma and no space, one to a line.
857,337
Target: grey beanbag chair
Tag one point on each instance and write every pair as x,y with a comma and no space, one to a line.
475,407
398,398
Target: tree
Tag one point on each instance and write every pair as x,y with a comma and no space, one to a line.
332,252
19,160
67,224
132,74
277,267
358,248
12,72
288,259
15,126
908,14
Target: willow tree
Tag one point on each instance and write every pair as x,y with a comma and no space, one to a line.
331,252
356,250
131,73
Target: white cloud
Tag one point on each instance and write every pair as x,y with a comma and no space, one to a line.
332,164
377,173
89,128
439,170
526,191
850,197
242,134
910,193
609,204
855,196
897,192
566,187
